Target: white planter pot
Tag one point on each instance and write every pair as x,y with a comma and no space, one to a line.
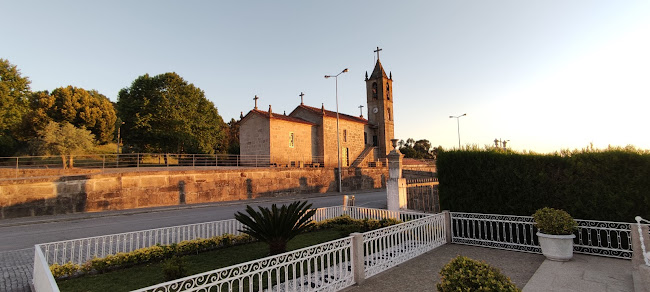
556,247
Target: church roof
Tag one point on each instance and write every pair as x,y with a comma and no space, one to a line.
277,116
332,114
378,72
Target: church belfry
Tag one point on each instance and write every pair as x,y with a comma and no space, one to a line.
379,91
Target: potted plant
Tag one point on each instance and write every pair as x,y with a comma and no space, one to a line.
555,233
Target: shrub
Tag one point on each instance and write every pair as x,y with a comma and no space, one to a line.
65,270
465,274
553,221
174,268
276,226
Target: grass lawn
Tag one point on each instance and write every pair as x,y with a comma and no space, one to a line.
145,275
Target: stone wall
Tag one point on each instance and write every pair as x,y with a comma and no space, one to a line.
303,148
254,138
129,190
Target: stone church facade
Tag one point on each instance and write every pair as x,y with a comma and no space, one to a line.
307,136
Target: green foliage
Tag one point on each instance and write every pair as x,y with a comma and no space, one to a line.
610,184
13,97
63,140
174,268
65,270
420,149
276,226
148,254
166,114
465,274
346,225
555,222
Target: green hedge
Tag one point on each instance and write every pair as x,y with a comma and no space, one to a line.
610,185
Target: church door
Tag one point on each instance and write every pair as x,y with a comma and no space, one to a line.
345,160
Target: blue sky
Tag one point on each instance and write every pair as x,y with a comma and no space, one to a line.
547,75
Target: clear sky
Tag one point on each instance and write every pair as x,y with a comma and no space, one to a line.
546,75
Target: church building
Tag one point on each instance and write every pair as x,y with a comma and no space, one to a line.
307,136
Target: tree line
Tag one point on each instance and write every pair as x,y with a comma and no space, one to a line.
156,114
420,149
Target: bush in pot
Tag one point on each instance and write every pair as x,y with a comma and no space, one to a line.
555,233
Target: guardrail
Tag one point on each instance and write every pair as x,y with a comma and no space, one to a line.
35,165
603,238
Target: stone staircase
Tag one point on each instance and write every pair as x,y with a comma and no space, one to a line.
363,156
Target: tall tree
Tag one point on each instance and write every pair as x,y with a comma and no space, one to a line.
77,106
420,149
165,113
233,137
64,140
13,105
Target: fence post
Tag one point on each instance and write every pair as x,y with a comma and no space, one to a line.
395,185
447,226
193,160
358,267
137,159
103,161
17,167
216,160
637,250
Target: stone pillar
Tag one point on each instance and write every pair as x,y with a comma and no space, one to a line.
358,267
637,252
447,225
395,185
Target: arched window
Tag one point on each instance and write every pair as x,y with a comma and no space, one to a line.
387,91
374,90
389,115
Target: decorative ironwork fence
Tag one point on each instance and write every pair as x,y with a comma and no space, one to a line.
610,239
390,246
422,195
320,267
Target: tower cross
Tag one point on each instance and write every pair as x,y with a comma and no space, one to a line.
301,98
377,51
361,111
255,99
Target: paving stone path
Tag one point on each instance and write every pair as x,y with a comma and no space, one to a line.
16,268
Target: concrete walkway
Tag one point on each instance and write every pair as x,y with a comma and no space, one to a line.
583,273
530,272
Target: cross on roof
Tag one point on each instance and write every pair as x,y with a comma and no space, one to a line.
255,99
301,96
377,51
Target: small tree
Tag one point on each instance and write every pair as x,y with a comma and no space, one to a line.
276,226
63,139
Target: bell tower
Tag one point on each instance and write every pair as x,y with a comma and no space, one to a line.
379,91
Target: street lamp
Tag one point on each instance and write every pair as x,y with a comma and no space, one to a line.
118,137
458,123
338,138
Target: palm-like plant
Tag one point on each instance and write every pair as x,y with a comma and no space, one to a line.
276,226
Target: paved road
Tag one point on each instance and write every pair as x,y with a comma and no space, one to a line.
20,235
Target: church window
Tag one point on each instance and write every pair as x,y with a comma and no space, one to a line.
291,139
387,91
345,135
374,90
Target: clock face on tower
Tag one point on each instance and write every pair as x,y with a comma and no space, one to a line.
375,110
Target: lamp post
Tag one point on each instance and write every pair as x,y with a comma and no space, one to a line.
118,137
338,138
458,124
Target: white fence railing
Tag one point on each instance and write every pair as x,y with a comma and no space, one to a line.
327,266
610,239
81,250
393,245
320,267
644,252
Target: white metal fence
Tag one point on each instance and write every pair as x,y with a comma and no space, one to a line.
387,247
320,267
610,239
81,250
